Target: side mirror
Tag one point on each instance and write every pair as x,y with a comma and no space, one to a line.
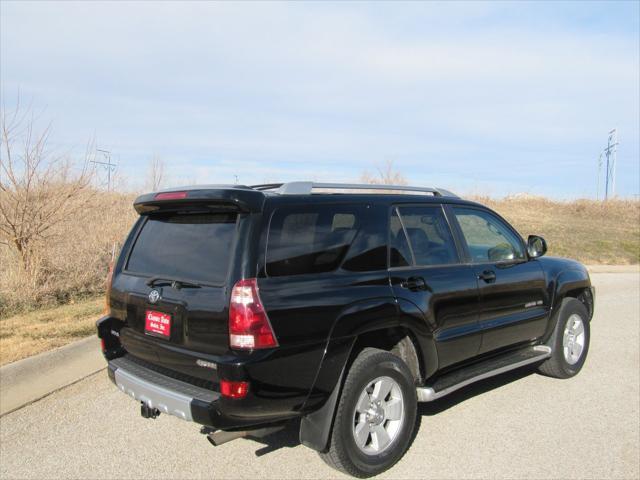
536,246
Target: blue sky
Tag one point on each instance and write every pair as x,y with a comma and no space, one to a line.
494,98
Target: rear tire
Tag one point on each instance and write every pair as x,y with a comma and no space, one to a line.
376,417
569,342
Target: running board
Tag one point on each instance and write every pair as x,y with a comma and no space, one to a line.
489,368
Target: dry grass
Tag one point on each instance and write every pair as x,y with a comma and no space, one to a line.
30,333
587,230
72,262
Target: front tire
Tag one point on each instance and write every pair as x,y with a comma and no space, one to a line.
376,416
569,341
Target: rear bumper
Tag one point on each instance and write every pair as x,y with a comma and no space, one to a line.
166,394
169,378
187,401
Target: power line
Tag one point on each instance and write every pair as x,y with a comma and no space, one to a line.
110,167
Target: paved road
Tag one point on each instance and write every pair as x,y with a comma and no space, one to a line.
519,425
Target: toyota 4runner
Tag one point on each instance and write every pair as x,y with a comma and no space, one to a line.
240,308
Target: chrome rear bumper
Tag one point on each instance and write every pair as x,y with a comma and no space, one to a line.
158,391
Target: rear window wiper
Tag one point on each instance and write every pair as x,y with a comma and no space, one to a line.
173,282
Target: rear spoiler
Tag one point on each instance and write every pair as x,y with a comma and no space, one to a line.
236,196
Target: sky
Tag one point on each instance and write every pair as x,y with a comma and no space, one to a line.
490,98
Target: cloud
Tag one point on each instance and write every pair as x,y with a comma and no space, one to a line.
503,94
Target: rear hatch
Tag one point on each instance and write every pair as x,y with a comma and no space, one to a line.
173,284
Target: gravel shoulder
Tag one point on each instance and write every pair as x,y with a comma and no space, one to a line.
518,425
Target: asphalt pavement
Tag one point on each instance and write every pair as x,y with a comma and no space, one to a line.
518,425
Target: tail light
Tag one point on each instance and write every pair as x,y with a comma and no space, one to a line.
234,389
249,326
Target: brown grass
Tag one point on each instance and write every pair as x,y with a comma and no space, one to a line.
30,333
72,263
587,230
60,304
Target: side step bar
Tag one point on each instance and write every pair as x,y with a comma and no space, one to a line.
495,366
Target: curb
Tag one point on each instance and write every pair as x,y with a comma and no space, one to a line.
32,378
613,268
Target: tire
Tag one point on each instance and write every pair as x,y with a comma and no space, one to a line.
562,364
369,371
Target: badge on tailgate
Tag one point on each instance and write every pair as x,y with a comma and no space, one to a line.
157,323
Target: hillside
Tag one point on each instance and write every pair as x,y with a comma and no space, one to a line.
71,263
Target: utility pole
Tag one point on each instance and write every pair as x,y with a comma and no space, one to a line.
110,167
610,154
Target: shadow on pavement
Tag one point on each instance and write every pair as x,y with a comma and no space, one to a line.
289,436
470,391
285,438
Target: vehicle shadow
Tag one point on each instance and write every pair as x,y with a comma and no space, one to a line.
475,389
288,437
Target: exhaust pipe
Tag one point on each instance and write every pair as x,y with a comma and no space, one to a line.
218,437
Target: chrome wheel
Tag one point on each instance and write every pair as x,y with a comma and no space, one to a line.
378,415
573,339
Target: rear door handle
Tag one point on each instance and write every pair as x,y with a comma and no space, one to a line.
414,284
489,276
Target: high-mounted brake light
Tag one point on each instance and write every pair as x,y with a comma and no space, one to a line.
249,326
170,196
234,389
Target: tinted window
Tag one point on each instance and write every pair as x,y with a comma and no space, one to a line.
191,247
399,252
309,239
429,236
487,237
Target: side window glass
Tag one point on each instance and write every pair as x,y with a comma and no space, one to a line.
487,237
429,235
399,252
309,240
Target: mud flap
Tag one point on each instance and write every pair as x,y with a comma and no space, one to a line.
315,428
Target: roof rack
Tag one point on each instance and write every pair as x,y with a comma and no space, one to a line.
306,188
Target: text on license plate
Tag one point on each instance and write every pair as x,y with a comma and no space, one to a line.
157,323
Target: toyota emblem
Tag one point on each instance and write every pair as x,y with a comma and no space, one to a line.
154,296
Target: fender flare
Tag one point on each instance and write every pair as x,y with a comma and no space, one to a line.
565,282
316,426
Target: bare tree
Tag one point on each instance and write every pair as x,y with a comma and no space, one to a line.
156,173
386,175
38,188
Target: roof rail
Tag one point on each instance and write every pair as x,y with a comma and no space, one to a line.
306,188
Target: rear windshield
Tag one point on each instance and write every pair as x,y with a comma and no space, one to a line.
310,239
185,246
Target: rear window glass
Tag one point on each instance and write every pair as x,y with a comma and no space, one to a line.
309,240
429,235
185,246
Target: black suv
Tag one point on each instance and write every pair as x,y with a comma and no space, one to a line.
240,308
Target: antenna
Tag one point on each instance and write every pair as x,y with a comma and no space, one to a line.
110,167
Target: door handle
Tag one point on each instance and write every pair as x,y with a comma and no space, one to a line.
414,284
489,276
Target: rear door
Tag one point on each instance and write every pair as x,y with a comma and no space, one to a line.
514,301
173,288
426,270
